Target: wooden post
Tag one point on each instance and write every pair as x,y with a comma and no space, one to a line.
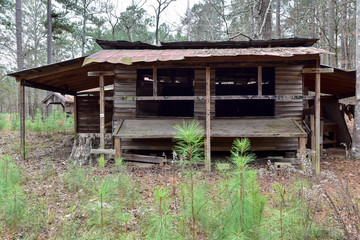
317,121
118,150
259,80
302,151
101,75
312,128
155,82
22,120
75,115
102,113
208,134
317,72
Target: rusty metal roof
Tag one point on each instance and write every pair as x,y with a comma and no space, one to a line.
65,98
285,42
128,57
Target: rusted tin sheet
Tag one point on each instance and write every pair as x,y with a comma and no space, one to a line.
129,57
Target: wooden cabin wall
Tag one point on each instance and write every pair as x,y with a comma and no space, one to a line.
200,90
124,85
288,81
88,114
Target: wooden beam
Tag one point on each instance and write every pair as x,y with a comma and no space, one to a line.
208,133
130,157
312,128
118,127
318,70
259,80
60,69
155,82
63,91
22,120
317,122
101,73
118,150
102,112
202,98
302,152
75,115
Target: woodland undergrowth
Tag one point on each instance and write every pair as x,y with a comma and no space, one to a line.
106,201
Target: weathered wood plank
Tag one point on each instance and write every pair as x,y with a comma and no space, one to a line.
101,73
102,112
118,149
208,123
259,80
163,128
317,123
22,119
202,98
318,70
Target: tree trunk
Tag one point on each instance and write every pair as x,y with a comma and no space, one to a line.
356,135
323,41
157,28
83,37
252,19
19,30
267,27
331,31
344,54
313,25
278,27
49,33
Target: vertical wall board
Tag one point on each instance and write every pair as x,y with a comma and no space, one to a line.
124,85
200,90
288,81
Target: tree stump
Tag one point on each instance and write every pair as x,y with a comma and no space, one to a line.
83,144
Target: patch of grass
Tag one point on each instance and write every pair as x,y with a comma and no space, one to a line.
76,178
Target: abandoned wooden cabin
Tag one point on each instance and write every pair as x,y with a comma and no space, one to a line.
255,89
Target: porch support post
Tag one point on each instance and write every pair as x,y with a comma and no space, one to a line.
155,82
208,134
102,114
75,115
302,151
101,75
22,119
317,121
312,128
259,80
118,150
317,71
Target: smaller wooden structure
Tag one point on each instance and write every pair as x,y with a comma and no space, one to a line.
65,101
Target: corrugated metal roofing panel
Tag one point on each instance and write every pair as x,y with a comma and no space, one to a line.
129,57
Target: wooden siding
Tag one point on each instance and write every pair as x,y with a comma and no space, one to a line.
88,114
124,85
288,81
200,90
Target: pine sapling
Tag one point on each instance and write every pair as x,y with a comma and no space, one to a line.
241,158
189,142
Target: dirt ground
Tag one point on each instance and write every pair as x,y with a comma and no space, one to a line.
340,175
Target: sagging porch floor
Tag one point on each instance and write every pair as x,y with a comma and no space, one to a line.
264,134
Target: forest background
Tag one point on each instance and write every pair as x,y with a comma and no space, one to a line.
75,24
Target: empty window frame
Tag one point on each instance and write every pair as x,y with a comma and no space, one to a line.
170,82
244,81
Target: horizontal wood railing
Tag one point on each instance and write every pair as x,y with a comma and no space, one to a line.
202,98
